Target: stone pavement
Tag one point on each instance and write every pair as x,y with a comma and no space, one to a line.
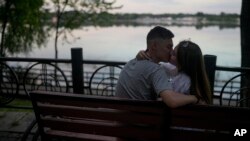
13,124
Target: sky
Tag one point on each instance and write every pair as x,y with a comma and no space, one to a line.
178,6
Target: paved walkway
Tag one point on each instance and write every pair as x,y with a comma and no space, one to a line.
13,124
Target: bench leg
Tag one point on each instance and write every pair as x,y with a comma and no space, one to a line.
28,130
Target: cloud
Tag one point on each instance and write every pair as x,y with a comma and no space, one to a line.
179,6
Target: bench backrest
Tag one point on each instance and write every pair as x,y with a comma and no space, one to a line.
206,123
97,118
75,116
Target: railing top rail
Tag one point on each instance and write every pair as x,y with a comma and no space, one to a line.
43,60
233,69
49,60
104,62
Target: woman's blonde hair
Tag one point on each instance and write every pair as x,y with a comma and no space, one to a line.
190,61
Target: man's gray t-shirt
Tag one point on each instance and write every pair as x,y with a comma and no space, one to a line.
140,79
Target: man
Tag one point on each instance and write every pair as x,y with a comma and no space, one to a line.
145,79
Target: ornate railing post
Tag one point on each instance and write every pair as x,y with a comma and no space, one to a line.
210,64
77,70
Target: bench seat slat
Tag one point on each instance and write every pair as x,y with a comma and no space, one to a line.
100,128
78,136
209,124
211,117
100,101
101,113
195,135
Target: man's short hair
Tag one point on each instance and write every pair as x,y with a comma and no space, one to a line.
159,32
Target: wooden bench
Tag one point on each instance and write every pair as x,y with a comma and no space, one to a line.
80,117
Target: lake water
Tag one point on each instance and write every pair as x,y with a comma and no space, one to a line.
121,43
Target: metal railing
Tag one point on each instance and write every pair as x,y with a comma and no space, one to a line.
233,91
98,77
42,74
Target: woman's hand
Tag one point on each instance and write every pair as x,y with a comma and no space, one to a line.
202,102
141,55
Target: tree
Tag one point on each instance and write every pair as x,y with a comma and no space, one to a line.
70,14
21,25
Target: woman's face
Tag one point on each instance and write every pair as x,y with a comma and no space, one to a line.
173,58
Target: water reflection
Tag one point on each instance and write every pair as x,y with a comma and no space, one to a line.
121,43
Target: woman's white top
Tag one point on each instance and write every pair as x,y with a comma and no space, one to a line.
180,81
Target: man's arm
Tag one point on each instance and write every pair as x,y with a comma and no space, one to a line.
174,99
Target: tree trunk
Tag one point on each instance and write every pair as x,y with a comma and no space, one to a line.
4,25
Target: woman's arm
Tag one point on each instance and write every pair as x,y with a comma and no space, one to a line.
142,55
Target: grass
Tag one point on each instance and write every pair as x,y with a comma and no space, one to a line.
17,105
